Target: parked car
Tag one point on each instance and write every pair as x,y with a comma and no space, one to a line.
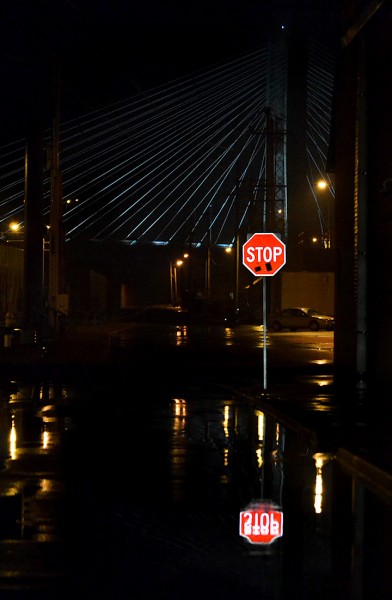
300,318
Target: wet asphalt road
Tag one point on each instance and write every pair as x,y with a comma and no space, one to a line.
173,351
109,492
128,481
224,353
130,495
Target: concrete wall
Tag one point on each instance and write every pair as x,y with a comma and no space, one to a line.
304,288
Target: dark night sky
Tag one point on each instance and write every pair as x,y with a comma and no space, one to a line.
111,49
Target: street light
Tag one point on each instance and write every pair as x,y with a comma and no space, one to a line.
14,234
174,281
324,186
14,227
71,202
236,250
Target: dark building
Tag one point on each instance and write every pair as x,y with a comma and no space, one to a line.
361,151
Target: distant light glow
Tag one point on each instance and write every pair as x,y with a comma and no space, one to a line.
45,439
12,439
226,418
322,184
260,425
320,460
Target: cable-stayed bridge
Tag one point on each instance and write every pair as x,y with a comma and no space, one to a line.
192,161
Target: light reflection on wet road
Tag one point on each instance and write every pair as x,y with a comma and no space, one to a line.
242,346
148,489
129,483
249,336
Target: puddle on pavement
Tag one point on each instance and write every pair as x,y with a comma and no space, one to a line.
157,484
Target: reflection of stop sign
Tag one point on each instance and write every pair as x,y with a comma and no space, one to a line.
264,254
261,524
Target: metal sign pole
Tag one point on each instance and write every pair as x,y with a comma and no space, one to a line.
264,333
264,254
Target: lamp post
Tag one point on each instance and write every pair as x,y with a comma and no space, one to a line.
174,281
14,234
323,186
14,226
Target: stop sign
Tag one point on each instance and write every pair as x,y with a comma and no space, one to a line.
264,254
261,523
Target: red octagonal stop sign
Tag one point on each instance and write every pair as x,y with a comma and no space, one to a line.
261,523
264,254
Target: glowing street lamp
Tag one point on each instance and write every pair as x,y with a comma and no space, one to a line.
14,233
174,280
14,227
323,186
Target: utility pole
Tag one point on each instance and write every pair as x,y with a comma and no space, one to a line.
237,244
33,293
270,192
208,263
33,230
270,174
58,300
274,210
276,205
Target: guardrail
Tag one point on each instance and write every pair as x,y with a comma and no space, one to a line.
361,543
